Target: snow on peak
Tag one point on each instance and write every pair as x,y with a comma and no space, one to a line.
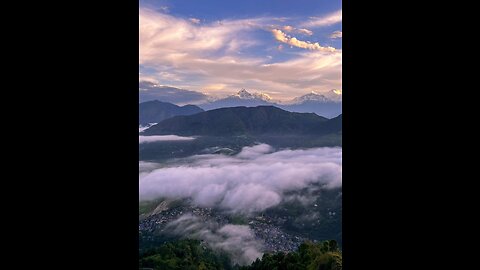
330,96
334,95
244,94
313,96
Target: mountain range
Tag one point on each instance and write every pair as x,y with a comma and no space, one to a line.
156,111
327,104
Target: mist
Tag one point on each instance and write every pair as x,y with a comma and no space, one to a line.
159,138
238,241
252,181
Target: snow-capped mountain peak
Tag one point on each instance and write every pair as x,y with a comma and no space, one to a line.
244,94
334,95
330,96
313,96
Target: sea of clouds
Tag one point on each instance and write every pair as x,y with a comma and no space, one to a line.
255,179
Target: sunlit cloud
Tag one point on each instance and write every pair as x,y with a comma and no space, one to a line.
282,37
212,57
336,34
195,20
288,28
329,19
305,31
215,87
291,29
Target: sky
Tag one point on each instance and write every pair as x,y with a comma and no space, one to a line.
283,48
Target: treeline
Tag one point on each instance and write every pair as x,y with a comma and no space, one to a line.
310,256
183,254
193,254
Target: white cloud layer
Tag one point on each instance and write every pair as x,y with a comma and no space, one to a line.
142,128
252,181
161,138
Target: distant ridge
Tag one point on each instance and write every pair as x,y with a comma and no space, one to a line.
156,111
327,104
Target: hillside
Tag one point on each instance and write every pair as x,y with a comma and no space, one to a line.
156,111
193,254
261,120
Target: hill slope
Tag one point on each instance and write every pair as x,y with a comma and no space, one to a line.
261,120
156,111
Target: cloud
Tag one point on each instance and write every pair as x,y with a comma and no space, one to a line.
153,91
161,138
305,31
194,20
237,240
251,181
198,56
327,20
291,29
336,34
144,166
255,151
169,38
142,128
288,28
164,9
282,37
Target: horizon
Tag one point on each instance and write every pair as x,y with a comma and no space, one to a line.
249,91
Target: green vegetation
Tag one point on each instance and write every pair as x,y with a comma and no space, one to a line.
155,111
234,121
160,151
193,254
320,220
183,254
231,129
310,256
145,207
238,220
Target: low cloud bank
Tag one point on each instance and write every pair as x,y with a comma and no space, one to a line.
160,138
254,180
236,240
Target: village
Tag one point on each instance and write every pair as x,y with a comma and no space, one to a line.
265,228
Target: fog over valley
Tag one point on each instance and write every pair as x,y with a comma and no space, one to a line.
260,199
253,180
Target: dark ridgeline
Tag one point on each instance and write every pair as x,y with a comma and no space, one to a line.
156,111
234,121
327,109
